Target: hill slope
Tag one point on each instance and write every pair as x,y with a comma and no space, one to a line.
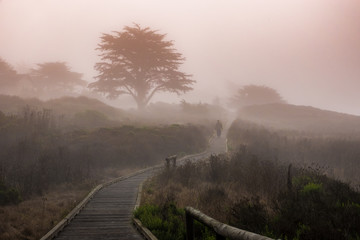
61,106
304,118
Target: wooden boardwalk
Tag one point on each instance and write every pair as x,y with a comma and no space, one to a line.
108,215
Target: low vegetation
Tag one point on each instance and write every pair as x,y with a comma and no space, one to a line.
168,222
32,218
274,183
36,154
8,195
40,153
66,107
337,154
254,194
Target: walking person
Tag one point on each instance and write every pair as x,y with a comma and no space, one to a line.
218,128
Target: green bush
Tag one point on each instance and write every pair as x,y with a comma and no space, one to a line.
8,195
311,206
314,209
167,222
249,214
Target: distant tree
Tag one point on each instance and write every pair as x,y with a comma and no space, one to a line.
8,76
56,78
256,95
139,62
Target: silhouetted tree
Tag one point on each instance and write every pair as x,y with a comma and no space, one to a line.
255,94
139,62
55,78
8,76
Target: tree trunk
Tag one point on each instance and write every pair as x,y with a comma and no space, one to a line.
141,104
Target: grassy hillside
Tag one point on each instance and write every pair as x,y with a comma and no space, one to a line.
61,106
84,112
38,157
72,105
304,118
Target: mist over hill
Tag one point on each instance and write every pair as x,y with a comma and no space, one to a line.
302,118
90,112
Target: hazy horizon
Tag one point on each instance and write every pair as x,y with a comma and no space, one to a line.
307,50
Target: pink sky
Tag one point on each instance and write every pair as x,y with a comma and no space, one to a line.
309,50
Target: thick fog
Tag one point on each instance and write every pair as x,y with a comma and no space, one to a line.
307,50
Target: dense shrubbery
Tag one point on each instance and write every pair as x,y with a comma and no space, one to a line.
168,222
338,155
317,207
36,154
8,195
262,195
165,222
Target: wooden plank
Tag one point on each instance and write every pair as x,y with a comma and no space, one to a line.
108,214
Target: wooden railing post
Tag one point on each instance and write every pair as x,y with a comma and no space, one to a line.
189,226
167,163
174,161
170,162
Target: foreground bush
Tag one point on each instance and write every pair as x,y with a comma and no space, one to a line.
8,195
261,196
316,207
168,222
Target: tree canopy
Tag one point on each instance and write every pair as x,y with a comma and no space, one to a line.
8,76
139,62
55,78
256,95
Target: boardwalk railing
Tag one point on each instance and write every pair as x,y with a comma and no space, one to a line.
222,231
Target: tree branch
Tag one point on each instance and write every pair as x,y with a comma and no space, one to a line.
130,92
153,92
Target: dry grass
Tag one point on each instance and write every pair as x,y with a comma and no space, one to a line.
216,185
204,196
33,218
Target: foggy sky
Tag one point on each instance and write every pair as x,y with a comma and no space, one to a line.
309,50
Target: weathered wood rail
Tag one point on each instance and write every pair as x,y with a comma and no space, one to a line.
222,231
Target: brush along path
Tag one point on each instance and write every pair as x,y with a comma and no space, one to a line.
108,214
